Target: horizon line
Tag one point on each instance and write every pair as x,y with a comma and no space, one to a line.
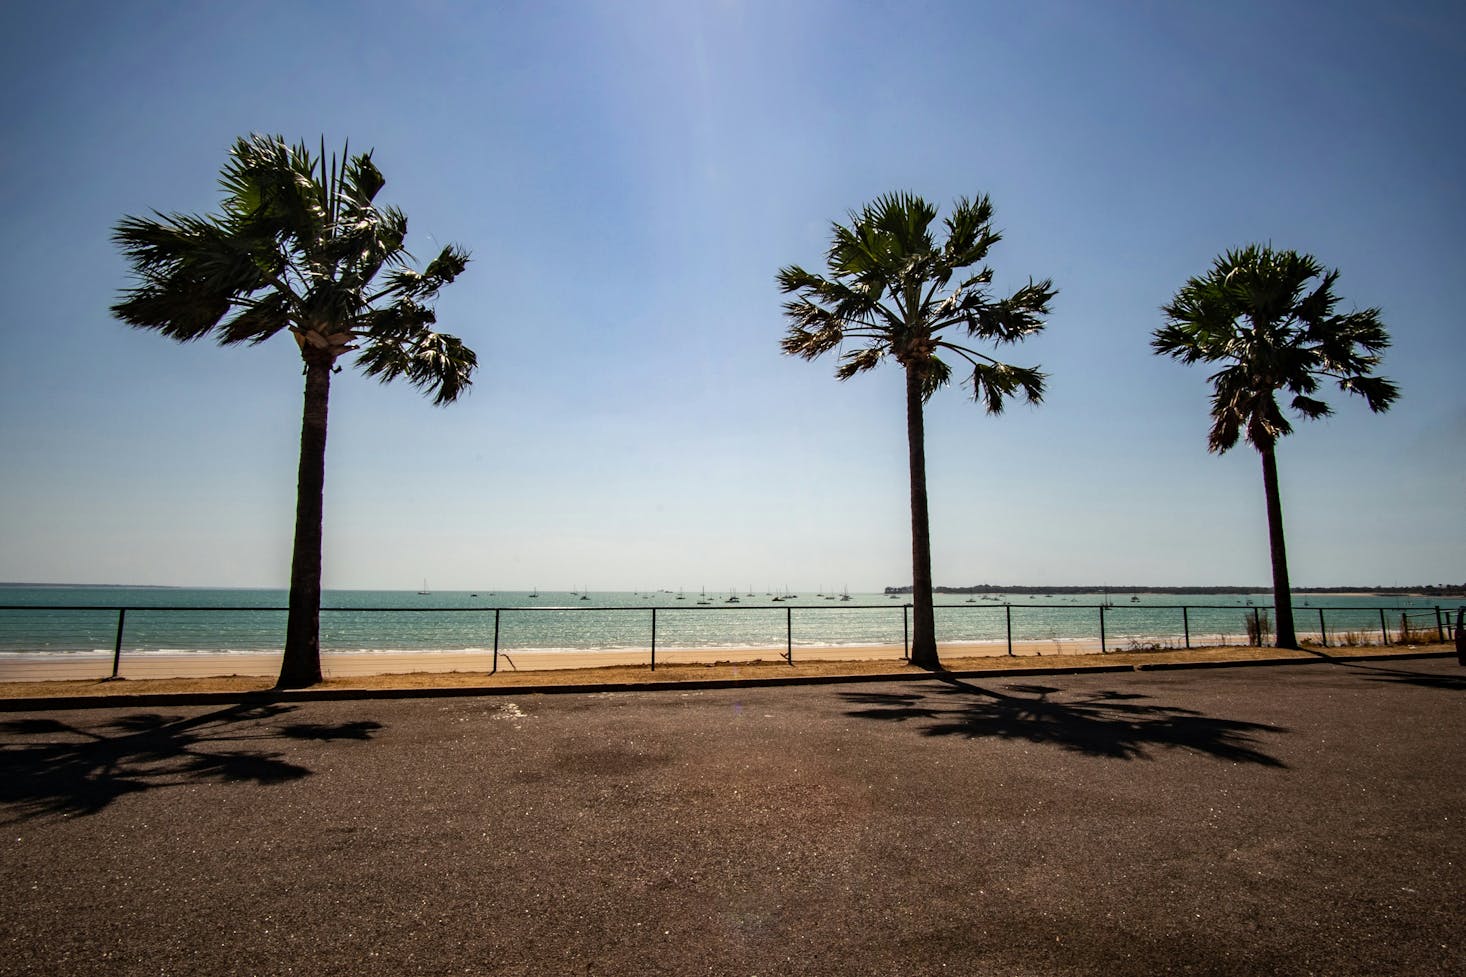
903,588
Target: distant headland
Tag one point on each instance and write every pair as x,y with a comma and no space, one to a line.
1424,590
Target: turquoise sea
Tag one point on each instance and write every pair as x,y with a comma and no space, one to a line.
184,620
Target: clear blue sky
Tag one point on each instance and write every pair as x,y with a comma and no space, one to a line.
629,176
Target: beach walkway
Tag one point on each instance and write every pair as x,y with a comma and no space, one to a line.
1284,820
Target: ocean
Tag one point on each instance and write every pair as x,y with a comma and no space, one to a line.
68,621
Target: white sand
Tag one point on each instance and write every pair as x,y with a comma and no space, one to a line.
35,668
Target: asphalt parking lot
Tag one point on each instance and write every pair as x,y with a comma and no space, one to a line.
1302,819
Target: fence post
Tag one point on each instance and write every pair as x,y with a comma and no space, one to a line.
654,639
1008,613
1186,624
1103,649
789,636
117,648
1322,631
1257,626
1439,630
906,632
1461,635
495,670
1384,629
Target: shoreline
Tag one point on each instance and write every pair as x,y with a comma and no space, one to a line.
22,668
42,667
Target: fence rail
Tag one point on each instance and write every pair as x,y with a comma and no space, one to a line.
1413,624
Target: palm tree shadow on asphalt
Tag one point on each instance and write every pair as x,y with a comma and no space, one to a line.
1403,676
1114,725
56,768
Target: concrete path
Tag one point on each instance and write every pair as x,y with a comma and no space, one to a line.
1284,820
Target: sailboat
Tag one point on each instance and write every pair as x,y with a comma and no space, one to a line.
425,591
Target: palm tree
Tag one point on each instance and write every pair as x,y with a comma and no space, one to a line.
888,291
300,246
1270,317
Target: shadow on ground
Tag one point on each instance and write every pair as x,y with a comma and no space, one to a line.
1115,725
49,767
1406,676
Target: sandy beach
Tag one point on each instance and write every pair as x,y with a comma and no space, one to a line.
42,668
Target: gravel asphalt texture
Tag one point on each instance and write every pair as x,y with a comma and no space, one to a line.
1302,819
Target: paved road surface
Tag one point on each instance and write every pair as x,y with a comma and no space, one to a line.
1286,820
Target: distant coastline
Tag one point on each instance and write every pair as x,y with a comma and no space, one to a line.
105,586
1428,590
1424,590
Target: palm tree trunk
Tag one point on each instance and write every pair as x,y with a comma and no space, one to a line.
924,636
301,665
1282,592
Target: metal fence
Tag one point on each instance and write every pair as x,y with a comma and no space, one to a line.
999,624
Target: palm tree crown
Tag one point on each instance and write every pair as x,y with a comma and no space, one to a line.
887,289
1270,316
300,246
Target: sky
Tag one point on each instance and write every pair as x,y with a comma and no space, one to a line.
629,177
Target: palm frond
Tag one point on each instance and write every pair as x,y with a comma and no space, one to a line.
1007,320
794,279
901,221
397,322
181,313
1240,405
404,282
444,269
257,322
1311,408
809,345
361,180
1378,393
969,232
935,374
994,384
435,363
189,271
858,361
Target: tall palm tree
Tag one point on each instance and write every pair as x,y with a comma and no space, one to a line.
888,290
1270,317
300,246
